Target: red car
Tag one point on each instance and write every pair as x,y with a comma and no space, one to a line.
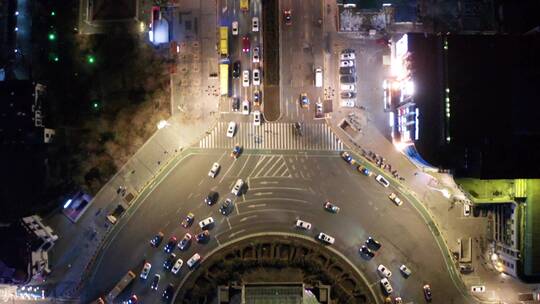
245,44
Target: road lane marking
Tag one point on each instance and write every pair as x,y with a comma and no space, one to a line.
237,232
263,193
269,171
256,205
226,172
268,182
248,217
229,223
202,180
245,163
190,195
266,164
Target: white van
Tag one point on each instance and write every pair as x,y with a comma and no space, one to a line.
318,78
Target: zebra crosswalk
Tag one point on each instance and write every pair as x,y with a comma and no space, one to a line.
273,136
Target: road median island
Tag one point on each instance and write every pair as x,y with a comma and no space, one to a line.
303,258
271,65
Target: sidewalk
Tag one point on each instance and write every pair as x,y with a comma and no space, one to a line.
72,256
429,189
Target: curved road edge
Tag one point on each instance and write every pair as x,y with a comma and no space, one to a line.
293,235
424,213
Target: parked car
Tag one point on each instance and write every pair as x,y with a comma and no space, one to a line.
466,209
346,63
373,243
237,150
347,71
203,236
328,206
245,107
169,261
304,100
383,181
347,103
347,79
256,77
245,78
145,270
347,56
256,54
168,292
478,289
170,244
156,240
257,98
364,250
348,87
245,44
346,95
303,224
394,198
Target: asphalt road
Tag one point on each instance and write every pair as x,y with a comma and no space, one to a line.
280,188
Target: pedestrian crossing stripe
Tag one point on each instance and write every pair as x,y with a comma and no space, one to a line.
273,136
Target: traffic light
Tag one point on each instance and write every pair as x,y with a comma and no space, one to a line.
52,36
90,59
53,13
96,105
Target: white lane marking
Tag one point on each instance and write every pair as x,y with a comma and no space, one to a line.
202,180
256,205
270,170
225,174
265,164
268,182
263,193
235,233
248,217
229,223
279,169
245,163
190,195
258,162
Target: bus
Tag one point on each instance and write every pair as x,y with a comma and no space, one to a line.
224,41
122,284
224,79
244,5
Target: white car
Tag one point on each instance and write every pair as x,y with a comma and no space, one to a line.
256,55
255,24
346,63
256,118
146,270
394,198
348,103
326,238
347,56
194,260
405,270
231,129
386,285
478,288
383,181
256,77
177,266
383,271
236,190
303,225
466,209
214,170
245,107
235,28
348,87
204,224
245,78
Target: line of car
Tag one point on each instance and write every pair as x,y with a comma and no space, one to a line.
347,78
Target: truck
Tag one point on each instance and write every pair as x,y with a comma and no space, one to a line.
244,5
224,41
120,286
224,79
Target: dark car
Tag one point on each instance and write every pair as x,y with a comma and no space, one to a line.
365,251
185,242
168,292
133,300
427,292
347,79
156,240
236,104
211,198
256,97
169,261
287,17
373,243
226,207
203,236
346,70
170,244
348,94
236,69
155,282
